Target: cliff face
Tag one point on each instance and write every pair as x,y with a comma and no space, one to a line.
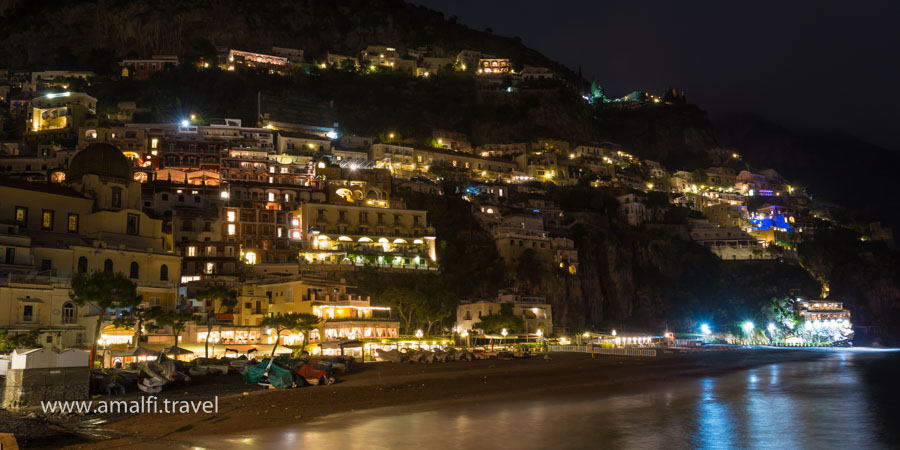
679,136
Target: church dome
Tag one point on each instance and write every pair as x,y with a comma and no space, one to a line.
100,159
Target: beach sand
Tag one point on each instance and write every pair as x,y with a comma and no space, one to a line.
383,384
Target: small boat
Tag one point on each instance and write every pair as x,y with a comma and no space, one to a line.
150,385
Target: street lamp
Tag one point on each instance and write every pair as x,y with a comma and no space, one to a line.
704,329
465,334
419,335
503,333
748,327
104,344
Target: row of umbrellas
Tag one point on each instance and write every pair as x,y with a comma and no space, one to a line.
172,351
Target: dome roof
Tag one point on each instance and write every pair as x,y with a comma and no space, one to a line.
100,159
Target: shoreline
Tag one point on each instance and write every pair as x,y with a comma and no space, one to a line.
381,386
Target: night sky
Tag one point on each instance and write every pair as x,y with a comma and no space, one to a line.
811,65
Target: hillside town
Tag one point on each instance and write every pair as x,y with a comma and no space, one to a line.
209,237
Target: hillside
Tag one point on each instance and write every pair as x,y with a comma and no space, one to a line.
852,173
88,33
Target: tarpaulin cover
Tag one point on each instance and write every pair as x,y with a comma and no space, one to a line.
310,373
279,377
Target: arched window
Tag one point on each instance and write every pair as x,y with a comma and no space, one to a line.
135,270
69,313
108,266
165,197
164,273
82,265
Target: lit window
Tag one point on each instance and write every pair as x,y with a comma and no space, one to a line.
192,251
231,229
47,219
250,257
230,216
72,224
21,215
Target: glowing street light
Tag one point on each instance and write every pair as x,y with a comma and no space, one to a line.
419,334
771,328
185,123
747,326
614,332
705,329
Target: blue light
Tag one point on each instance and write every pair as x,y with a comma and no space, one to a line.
705,329
185,123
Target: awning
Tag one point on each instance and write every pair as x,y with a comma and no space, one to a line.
143,351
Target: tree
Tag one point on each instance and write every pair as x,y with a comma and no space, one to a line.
104,291
434,311
10,342
176,320
494,323
292,321
699,176
226,299
404,301
133,318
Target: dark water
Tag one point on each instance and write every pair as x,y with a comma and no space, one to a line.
846,400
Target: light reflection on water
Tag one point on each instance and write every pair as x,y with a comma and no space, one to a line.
812,404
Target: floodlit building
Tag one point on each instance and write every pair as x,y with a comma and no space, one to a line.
534,311
493,66
242,60
365,232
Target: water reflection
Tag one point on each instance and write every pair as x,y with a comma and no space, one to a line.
814,404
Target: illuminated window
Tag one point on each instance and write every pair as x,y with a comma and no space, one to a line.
72,223
271,194
231,229
210,267
21,215
154,143
47,219
230,216
250,257
192,251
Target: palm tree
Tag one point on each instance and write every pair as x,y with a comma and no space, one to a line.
226,298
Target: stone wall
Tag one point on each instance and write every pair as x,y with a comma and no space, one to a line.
28,387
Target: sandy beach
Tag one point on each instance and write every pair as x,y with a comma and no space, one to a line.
244,407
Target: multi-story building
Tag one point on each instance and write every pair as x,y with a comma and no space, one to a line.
54,78
294,55
242,60
493,66
336,60
290,142
94,222
380,55
131,141
728,243
534,311
58,116
363,233
143,69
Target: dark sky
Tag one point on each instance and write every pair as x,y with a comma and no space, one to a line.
816,65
